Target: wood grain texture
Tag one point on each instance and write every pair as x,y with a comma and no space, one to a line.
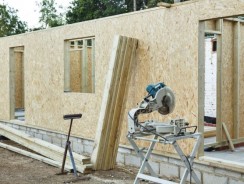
106,144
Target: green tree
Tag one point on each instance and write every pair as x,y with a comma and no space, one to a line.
9,22
49,16
81,10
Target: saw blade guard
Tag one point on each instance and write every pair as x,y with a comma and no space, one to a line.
166,100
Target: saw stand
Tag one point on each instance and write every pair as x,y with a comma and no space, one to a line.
168,139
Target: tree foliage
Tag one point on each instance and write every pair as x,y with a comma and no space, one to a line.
9,22
81,10
49,16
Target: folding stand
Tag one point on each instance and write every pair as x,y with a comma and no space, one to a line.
170,139
67,146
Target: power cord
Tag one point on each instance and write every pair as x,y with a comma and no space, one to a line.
189,166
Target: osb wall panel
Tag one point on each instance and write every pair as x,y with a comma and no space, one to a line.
167,52
19,85
242,82
75,70
227,75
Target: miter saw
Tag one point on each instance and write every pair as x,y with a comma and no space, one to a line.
160,98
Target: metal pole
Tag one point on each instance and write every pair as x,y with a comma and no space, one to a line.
134,5
66,147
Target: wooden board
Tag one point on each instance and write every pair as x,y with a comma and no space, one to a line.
44,148
108,132
34,156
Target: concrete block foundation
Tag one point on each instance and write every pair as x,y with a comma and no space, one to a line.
165,166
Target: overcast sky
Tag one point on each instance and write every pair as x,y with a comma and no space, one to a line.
28,11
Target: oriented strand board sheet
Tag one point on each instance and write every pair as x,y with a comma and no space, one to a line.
167,51
75,70
19,83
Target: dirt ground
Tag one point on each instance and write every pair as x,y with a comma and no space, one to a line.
18,169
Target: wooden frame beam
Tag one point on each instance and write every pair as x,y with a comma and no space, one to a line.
213,32
84,67
12,83
67,66
236,87
219,82
93,65
201,81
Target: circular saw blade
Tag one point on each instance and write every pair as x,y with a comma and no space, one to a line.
168,102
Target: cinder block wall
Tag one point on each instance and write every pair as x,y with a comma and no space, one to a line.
165,166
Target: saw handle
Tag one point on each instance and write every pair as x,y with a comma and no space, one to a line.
184,128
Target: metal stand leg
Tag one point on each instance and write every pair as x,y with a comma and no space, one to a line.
145,159
188,161
72,160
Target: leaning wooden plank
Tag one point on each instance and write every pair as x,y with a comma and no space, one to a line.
131,57
228,137
104,153
112,107
44,148
105,102
35,156
119,99
116,69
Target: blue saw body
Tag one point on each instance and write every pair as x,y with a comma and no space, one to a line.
153,88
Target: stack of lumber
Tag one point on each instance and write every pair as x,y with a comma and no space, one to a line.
115,90
53,152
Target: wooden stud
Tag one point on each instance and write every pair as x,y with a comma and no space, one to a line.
219,83
67,66
84,67
23,79
93,65
12,82
236,87
213,32
228,137
201,81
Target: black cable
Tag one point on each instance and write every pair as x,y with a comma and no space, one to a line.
151,131
189,166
